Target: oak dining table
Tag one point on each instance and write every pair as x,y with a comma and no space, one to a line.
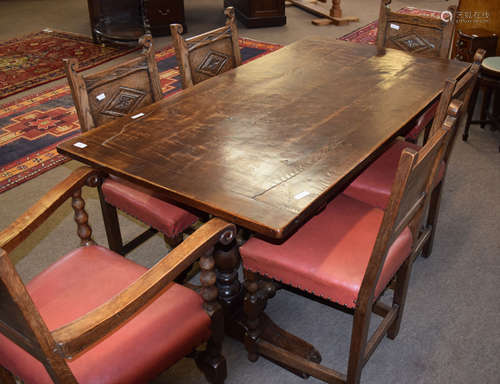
268,144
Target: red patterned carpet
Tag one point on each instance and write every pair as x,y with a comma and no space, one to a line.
35,59
368,33
31,128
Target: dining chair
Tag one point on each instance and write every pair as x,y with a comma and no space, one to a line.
345,257
96,317
110,94
373,185
420,35
209,54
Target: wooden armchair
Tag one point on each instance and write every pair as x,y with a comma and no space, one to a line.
347,254
209,54
373,185
94,316
110,94
420,35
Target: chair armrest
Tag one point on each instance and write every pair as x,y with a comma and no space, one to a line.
84,331
15,233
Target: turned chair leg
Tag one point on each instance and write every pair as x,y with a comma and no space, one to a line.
399,299
6,377
253,306
211,361
359,336
432,218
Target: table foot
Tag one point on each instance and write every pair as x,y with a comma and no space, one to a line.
272,333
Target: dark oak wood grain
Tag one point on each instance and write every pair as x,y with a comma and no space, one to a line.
267,144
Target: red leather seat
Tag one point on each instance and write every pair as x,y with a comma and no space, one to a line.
162,333
328,255
373,185
143,205
422,122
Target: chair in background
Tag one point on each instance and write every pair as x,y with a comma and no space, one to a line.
414,34
102,97
347,255
489,80
421,35
373,185
95,316
209,54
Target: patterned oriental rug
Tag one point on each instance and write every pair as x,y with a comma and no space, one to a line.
368,33
31,128
36,59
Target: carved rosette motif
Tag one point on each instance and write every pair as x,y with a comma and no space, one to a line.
123,102
213,63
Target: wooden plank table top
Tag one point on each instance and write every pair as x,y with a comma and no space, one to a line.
267,144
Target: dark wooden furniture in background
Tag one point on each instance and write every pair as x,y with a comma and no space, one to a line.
125,21
104,302
478,14
259,13
262,145
209,54
161,13
420,35
469,42
329,15
489,80
105,96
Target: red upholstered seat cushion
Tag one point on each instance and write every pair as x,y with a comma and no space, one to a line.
422,122
142,204
329,254
374,184
162,333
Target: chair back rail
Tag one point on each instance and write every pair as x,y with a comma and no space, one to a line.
409,199
463,91
115,92
209,54
415,34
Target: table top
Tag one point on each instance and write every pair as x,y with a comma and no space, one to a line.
267,144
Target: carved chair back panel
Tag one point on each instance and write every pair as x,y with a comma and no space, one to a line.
409,197
419,181
420,35
212,59
120,92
